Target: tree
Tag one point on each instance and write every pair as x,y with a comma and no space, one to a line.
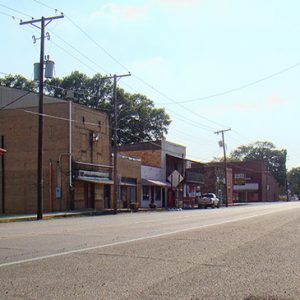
294,180
275,159
138,119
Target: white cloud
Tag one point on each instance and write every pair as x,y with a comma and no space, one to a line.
180,2
124,12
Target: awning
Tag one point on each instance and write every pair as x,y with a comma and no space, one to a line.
154,182
95,180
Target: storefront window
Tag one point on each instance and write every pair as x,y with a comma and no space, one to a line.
131,194
157,193
128,195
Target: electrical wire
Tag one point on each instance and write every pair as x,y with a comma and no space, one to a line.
244,86
202,126
82,54
140,79
8,15
108,126
17,11
14,101
153,88
125,68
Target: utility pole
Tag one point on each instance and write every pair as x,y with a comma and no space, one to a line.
225,163
41,110
115,138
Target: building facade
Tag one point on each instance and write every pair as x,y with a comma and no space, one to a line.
253,182
77,164
162,171
129,181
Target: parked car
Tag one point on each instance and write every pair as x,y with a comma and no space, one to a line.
209,199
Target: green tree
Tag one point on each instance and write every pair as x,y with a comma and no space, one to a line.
138,119
294,180
18,82
267,152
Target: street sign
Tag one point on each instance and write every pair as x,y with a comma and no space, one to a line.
175,178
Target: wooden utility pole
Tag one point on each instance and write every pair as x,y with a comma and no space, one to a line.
41,110
225,163
115,138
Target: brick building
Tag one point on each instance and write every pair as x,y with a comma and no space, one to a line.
253,182
162,171
77,166
247,181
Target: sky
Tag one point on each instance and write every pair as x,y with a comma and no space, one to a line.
212,64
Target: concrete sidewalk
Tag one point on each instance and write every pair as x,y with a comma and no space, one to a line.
66,214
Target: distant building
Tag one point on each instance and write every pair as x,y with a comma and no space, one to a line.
253,182
247,181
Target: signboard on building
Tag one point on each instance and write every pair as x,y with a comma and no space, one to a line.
239,179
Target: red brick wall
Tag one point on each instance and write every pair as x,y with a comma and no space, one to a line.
149,157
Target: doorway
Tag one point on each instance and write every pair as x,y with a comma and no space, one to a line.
89,195
106,196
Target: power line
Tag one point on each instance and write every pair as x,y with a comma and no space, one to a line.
82,54
87,36
202,126
244,86
14,101
8,15
80,122
122,65
175,102
17,11
45,5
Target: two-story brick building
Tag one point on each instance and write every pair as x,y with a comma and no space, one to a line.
77,166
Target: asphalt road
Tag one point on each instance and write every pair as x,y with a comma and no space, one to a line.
243,252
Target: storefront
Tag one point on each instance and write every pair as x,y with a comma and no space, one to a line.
153,192
92,189
128,191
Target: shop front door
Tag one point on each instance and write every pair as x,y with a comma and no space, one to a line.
89,195
106,196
